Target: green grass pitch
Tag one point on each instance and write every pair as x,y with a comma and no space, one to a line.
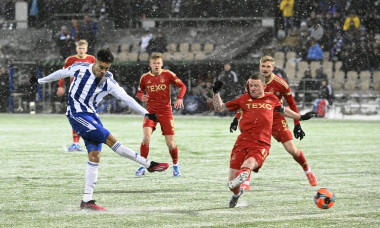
41,185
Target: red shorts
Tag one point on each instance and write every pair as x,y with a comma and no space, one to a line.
280,130
243,150
166,122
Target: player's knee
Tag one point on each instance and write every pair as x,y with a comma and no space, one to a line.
94,156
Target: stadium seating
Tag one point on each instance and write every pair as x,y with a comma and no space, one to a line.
313,66
290,69
337,66
338,81
196,47
184,47
133,56
291,55
166,56
122,56
376,80
208,48
200,56
125,47
351,82
279,58
302,66
327,67
365,80
144,56
172,47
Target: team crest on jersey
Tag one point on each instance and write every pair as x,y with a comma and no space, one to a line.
162,80
148,81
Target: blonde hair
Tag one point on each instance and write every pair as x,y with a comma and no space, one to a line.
266,59
82,42
155,56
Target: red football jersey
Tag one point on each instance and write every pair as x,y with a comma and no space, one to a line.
158,89
74,59
257,116
281,89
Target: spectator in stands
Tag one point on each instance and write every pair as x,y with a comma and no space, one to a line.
374,59
157,44
305,87
325,98
145,39
319,77
364,63
327,41
65,43
370,22
312,19
203,91
304,28
231,83
328,22
89,33
4,89
348,58
75,30
304,44
352,17
316,31
287,8
9,10
336,50
315,52
291,42
176,8
352,34
33,12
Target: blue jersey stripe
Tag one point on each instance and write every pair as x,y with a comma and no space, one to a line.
70,100
79,91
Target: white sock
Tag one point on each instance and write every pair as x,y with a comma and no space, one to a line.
91,178
128,153
307,171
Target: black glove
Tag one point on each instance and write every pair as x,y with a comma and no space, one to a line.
151,116
33,80
298,132
307,116
234,125
217,86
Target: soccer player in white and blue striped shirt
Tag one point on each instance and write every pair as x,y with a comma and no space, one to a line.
91,83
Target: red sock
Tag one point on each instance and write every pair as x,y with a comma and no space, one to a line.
242,169
302,161
174,154
76,137
144,150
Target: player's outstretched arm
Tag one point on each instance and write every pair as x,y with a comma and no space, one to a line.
55,76
120,94
291,114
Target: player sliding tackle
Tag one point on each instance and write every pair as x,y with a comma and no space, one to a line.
91,83
252,145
